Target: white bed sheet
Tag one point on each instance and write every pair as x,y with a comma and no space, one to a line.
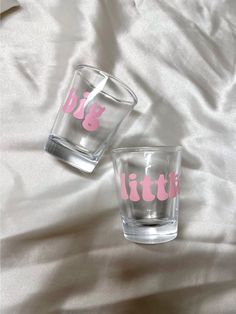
63,249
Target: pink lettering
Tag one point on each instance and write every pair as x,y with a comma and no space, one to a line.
124,194
147,194
91,122
71,101
161,192
134,196
79,112
146,183
91,119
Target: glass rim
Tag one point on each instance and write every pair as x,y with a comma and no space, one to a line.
118,81
170,149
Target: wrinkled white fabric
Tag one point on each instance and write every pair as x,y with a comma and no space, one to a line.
62,247
7,4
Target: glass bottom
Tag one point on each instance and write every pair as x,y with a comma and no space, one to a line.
73,157
141,232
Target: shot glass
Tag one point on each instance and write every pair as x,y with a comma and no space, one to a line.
148,186
95,105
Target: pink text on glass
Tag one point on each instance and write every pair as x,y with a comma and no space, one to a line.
91,119
147,195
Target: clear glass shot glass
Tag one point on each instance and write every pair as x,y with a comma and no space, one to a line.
95,105
148,186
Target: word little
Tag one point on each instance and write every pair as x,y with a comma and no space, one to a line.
161,193
91,119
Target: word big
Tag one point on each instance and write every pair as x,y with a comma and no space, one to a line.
91,119
147,195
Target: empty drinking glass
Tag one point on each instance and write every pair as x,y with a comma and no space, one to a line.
94,107
148,185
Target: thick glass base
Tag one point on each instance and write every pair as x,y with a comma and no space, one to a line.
150,234
72,157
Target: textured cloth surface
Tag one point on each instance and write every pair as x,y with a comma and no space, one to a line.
62,246
7,4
